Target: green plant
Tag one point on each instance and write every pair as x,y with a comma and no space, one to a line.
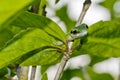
32,39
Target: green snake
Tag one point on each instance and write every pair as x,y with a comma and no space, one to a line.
78,32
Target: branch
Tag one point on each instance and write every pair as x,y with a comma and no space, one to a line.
22,73
69,44
119,70
61,67
86,6
33,71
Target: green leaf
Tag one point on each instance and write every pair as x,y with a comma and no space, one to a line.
44,68
5,35
10,7
30,41
43,58
70,73
34,8
3,72
63,15
109,4
103,40
42,4
99,76
31,53
10,35
56,1
3,78
96,59
7,11
23,46
26,20
44,77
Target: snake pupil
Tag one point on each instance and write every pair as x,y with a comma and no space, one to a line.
87,26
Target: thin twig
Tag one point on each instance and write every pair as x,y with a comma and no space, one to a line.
22,73
69,44
63,61
33,71
119,70
61,67
86,6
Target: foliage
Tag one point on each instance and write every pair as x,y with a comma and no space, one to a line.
65,18
103,39
44,77
32,39
7,10
57,1
109,4
82,72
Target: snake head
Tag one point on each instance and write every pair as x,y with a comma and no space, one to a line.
79,31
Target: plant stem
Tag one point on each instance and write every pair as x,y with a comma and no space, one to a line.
61,67
119,70
33,71
86,6
22,73
69,44
64,60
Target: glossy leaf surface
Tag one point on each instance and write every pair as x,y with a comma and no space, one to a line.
102,40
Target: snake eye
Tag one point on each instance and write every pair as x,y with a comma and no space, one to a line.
87,26
74,32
